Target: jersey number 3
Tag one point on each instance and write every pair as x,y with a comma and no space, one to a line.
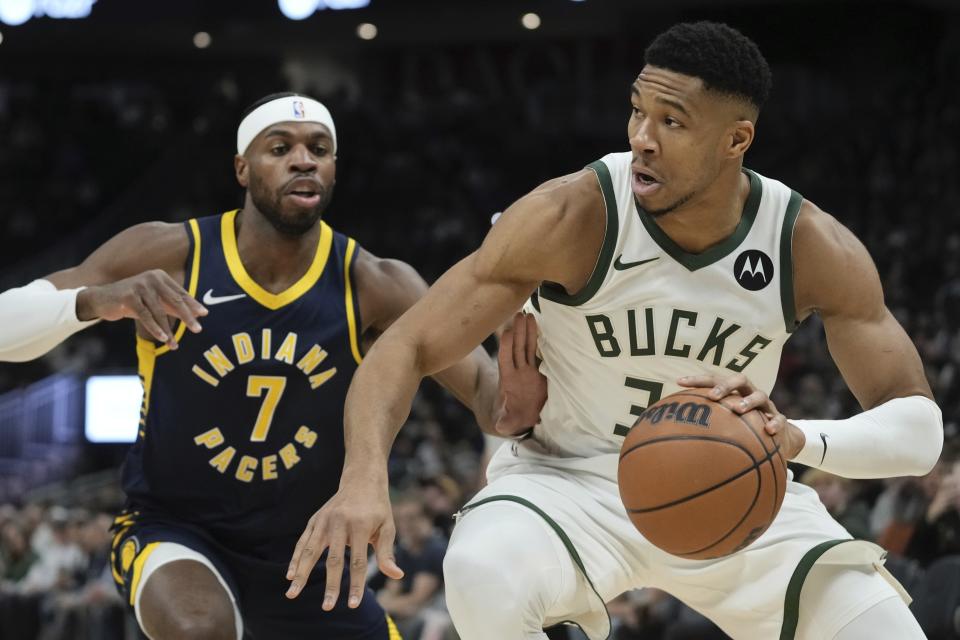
271,388
654,391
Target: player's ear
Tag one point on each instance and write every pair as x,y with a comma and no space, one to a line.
240,168
740,138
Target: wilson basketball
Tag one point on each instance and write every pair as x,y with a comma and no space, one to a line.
698,480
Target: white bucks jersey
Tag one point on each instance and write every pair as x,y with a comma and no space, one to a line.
652,313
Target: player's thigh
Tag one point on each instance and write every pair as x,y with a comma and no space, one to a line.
847,602
763,590
537,526
185,599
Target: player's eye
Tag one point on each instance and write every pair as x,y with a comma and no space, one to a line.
319,151
672,122
636,111
278,150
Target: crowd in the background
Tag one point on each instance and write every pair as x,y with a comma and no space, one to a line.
430,148
55,576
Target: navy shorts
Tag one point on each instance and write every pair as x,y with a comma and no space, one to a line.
258,586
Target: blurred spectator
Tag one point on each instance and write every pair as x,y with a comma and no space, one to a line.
94,609
937,532
416,601
16,556
442,497
61,560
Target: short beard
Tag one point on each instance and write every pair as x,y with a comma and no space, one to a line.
271,205
658,213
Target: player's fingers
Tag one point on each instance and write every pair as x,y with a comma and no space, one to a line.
307,557
751,401
197,308
335,553
175,304
725,387
302,543
519,340
386,560
143,314
531,322
776,424
155,307
505,353
358,568
697,381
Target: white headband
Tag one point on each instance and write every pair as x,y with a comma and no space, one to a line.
286,109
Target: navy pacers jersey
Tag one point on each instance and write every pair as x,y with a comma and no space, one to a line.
242,426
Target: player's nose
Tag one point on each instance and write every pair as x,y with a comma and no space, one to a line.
644,141
301,160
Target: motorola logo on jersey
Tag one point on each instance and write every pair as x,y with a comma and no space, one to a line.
753,270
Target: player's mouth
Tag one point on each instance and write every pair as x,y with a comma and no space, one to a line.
304,191
645,183
305,198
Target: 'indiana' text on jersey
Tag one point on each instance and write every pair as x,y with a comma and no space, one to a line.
242,426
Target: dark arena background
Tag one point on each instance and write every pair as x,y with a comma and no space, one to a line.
114,113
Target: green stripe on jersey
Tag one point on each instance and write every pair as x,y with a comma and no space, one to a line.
554,292
786,262
694,261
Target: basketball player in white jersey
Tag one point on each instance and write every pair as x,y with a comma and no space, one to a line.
662,262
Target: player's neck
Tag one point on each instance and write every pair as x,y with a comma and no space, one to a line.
273,259
711,217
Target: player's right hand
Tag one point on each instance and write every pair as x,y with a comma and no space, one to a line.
357,515
150,297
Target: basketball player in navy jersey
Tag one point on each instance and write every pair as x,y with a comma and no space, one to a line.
241,430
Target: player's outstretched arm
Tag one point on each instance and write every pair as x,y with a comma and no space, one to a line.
901,430
900,433
552,234
387,289
128,277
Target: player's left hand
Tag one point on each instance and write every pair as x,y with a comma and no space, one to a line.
523,389
791,437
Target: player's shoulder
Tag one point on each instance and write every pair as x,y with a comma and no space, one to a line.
155,245
818,236
372,271
386,288
832,268
570,196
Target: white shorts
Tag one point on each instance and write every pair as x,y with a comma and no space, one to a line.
753,593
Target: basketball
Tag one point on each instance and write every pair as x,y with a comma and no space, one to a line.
698,480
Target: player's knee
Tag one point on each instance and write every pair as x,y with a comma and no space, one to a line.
199,627
480,582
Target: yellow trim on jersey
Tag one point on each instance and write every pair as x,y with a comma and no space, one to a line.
351,320
147,353
272,301
394,633
191,283
138,568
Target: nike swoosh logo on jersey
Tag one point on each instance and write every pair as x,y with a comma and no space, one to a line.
620,265
209,298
